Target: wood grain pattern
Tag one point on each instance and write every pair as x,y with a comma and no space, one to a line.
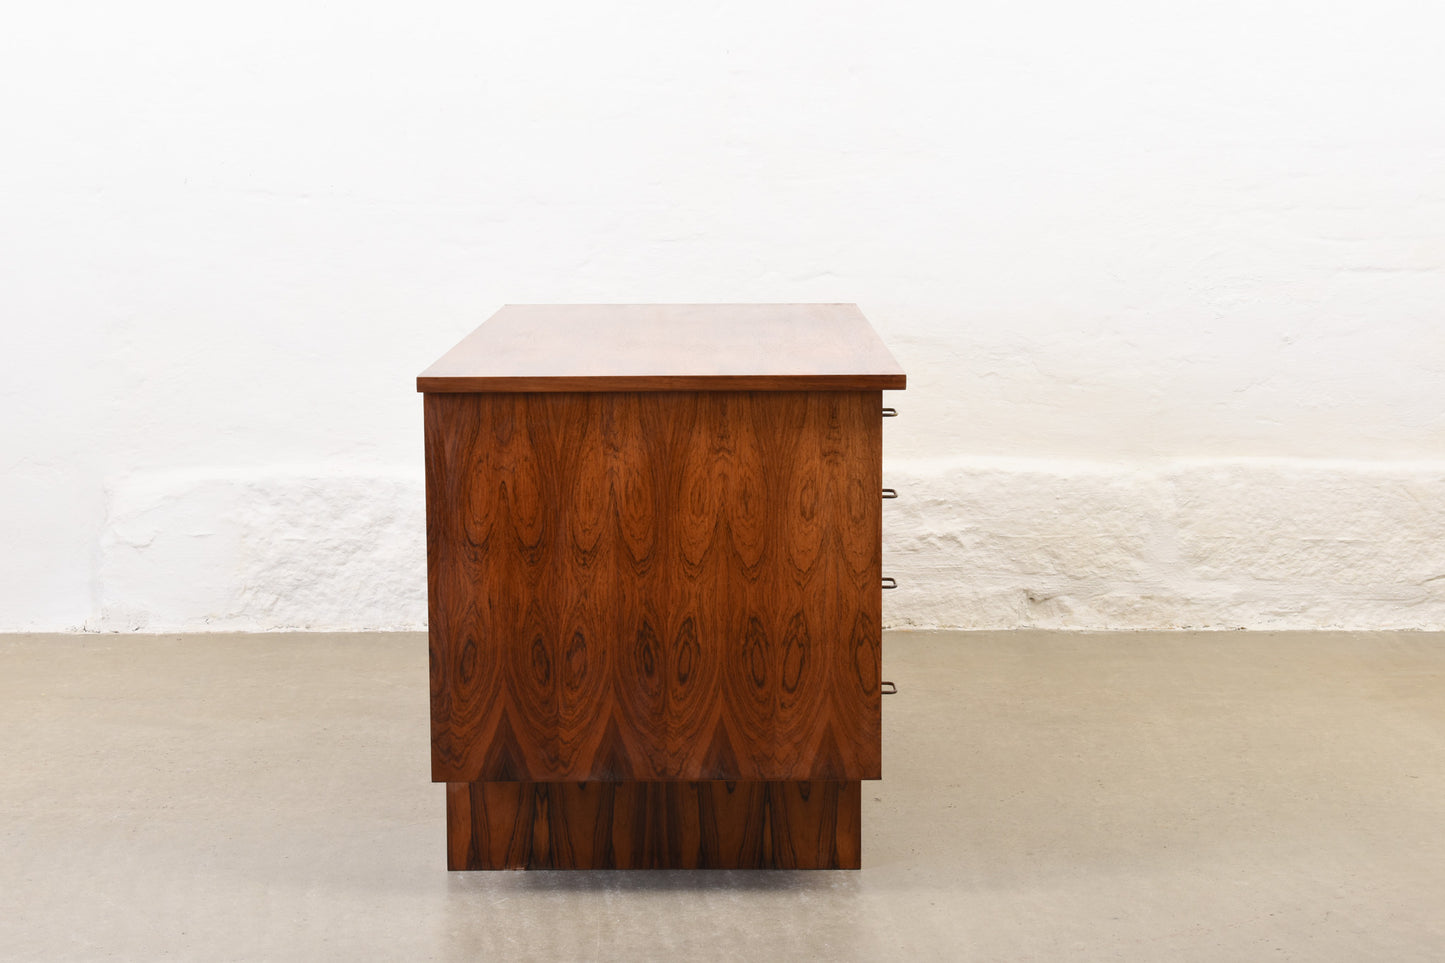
668,347
654,825
654,586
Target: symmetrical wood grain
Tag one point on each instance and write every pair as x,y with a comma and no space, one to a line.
668,347
654,825
654,586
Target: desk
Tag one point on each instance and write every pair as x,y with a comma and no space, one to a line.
654,585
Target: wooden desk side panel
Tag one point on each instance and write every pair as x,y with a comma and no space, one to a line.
654,586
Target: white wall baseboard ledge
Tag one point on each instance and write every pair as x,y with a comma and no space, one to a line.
993,543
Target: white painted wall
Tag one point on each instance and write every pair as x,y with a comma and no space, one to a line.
1168,279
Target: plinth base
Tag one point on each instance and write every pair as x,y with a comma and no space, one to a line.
654,825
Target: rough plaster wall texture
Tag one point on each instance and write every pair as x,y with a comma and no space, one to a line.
1178,246
1211,543
310,547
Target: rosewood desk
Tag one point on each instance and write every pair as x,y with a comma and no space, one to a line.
654,584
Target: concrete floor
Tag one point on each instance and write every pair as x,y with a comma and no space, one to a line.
1048,796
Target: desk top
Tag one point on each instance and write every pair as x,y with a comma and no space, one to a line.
668,347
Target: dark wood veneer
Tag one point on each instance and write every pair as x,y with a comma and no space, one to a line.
654,825
660,586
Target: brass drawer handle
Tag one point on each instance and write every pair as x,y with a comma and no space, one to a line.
890,412
889,493
889,582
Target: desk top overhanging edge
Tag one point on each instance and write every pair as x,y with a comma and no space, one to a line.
668,347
